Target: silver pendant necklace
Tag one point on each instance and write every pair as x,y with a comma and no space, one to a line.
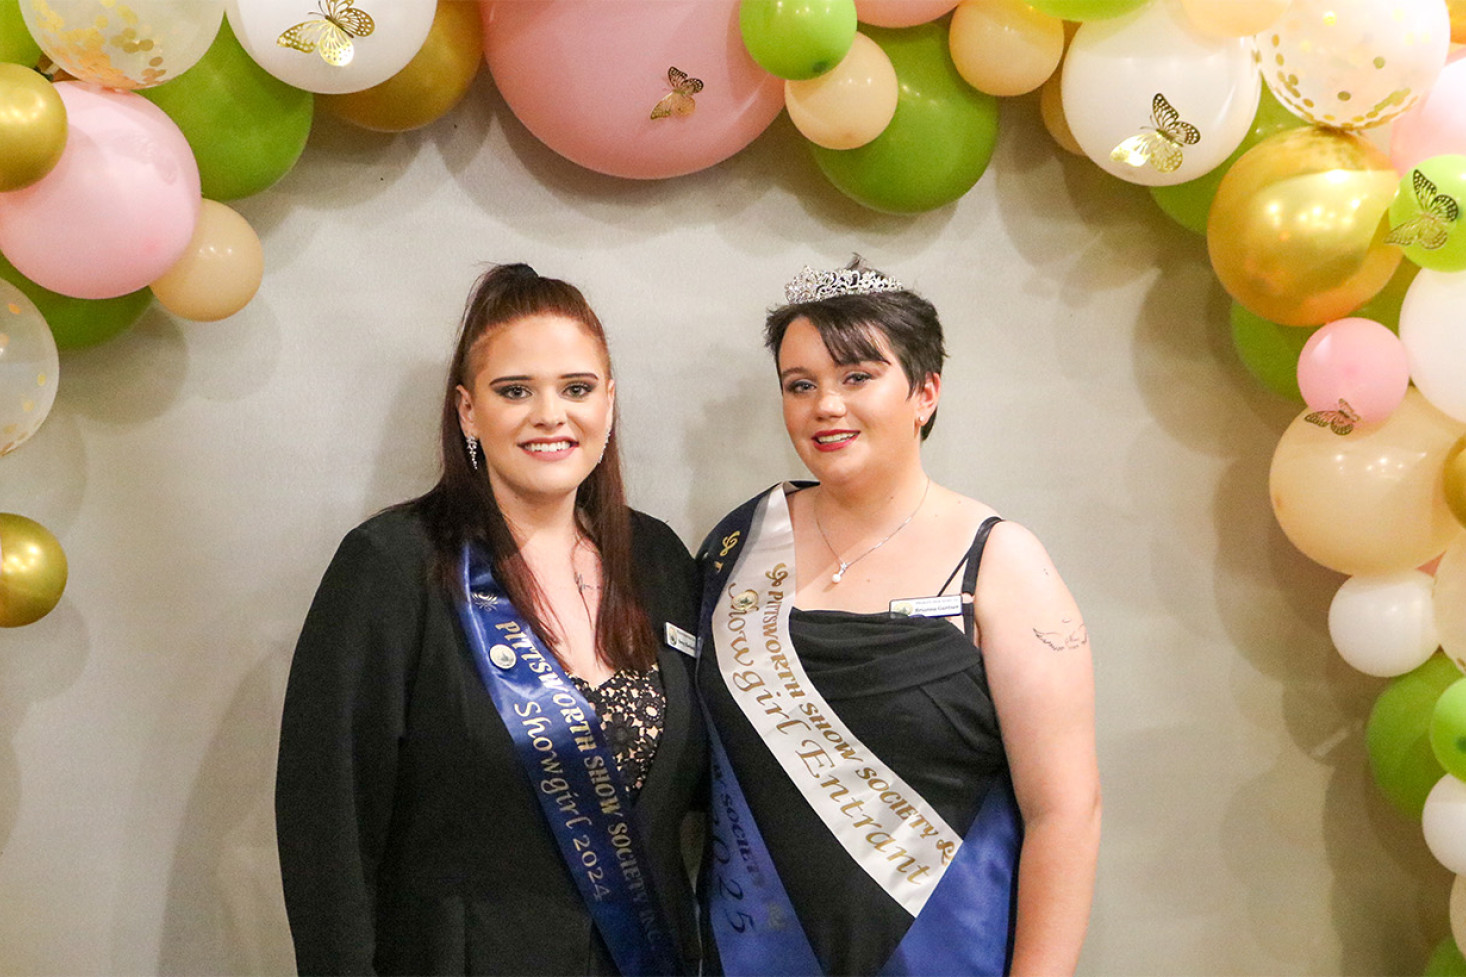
846,565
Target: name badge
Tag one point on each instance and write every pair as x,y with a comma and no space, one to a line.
682,640
946,605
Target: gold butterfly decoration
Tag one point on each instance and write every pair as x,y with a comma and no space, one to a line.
1431,228
1158,144
330,34
1339,421
679,100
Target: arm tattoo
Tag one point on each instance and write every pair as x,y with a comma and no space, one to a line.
1077,638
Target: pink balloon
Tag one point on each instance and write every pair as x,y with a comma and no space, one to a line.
118,209
901,13
1357,361
586,75
1435,125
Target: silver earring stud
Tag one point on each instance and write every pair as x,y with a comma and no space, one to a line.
472,443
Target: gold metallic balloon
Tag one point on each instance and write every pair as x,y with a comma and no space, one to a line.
32,127
1457,10
1296,230
1455,481
32,571
431,84
1370,501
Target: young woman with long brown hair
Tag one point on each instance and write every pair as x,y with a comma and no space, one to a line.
489,739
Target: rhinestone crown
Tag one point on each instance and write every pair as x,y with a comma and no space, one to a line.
815,286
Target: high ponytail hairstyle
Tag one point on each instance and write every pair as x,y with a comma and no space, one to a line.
462,508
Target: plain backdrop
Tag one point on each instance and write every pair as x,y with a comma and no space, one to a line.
200,476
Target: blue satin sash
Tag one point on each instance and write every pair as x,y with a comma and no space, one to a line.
966,926
558,740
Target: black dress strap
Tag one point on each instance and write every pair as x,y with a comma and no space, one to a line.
969,579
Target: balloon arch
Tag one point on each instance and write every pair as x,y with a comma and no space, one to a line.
1320,147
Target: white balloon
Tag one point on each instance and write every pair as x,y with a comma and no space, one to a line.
369,41
1154,101
1384,624
1458,910
28,368
136,44
1430,329
1353,64
1444,823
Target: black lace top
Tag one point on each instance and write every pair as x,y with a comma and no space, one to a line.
631,706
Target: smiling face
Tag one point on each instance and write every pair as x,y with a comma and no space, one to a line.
540,404
848,420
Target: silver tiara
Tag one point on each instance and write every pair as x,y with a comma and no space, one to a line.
814,286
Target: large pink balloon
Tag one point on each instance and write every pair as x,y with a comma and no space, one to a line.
1354,363
901,13
118,209
585,76
1435,125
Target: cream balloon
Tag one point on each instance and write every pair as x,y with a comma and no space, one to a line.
1152,100
1449,598
1005,47
1354,64
1370,501
1430,329
220,270
1444,823
28,368
124,44
849,105
1384,625
342,46
1233,18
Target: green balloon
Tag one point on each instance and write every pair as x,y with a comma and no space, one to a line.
1398,734
246,127
1086,9
1446,961
1189,203
76,323
1384,308
1270,351
1448,729
797,39
16,44
939,142
1425,217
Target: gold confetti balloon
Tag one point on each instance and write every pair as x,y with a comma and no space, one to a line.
1353,64
32,127
1296,232
1371,501
28,368
32,571
125,44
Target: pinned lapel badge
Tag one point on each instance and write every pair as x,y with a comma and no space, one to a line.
503,656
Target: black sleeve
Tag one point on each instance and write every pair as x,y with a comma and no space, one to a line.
342,723
666,575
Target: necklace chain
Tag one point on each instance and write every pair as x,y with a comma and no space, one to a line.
846,565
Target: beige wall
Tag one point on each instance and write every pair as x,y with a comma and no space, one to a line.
199,477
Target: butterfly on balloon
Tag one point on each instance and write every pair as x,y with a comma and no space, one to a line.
1431,228
1340,421
1160,143
330,34
679,100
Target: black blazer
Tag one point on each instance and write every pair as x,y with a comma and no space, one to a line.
410,839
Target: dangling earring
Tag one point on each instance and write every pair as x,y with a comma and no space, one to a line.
604,445
472,443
